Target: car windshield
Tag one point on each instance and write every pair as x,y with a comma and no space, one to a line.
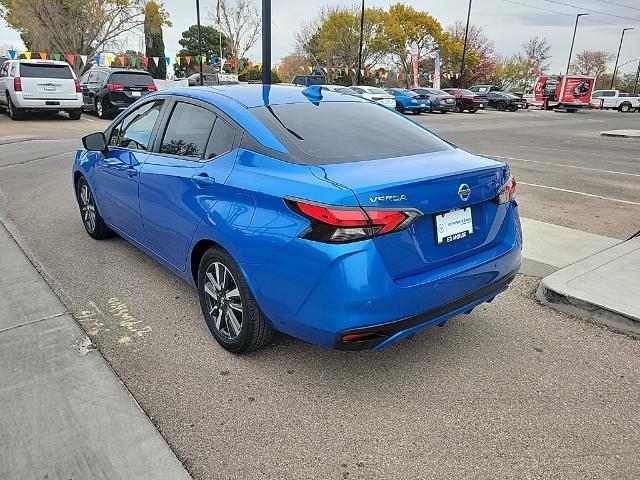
132,79
333,132
437,92
466,92
43,70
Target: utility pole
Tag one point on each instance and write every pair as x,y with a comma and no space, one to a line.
199,41
575,29
615,69
266,42
358,75
464,48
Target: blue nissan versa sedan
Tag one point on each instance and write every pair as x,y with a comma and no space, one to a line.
290,213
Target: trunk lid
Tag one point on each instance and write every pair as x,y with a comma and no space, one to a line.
47,81
429,183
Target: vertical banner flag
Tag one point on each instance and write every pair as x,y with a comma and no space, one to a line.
414,62
436,71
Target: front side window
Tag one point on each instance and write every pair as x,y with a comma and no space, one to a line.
333,132
188,131
134,131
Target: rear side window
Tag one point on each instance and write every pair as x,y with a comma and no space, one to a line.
135,130
222,139
131,79
40,70
188,131
333,132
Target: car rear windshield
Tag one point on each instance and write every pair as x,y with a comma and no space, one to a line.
131,79
334,132
377,91
41,70
466,92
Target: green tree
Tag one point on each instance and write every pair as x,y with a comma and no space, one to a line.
155,17
210,47
406,27
82,27
591,62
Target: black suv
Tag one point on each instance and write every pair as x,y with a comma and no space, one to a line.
108,90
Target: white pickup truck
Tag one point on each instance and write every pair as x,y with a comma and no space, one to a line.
615,99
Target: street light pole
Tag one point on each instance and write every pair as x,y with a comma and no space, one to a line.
615,68
464,48
358,75
199,41
575,29
266,42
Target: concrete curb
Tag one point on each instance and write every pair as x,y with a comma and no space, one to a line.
621,133
604,288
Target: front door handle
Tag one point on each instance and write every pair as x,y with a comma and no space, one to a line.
203,180
131,172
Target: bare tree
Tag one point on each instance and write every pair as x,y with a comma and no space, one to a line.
82,27
240,22
591,62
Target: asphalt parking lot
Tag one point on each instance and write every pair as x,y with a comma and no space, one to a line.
513,390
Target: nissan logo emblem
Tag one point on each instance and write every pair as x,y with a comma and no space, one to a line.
464,192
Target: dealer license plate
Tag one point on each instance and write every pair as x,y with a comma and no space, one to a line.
135,94
481,105
50,87
453,225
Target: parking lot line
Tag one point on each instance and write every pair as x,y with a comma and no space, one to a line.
611,199
565,165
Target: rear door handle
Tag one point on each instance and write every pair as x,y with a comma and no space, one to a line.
203,180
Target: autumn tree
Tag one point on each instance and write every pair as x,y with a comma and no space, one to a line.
82,27
339,38
240,22
535,54
591,62
155,17
406,26
480,58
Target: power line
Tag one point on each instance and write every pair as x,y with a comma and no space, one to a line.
593,11
558,13
619,4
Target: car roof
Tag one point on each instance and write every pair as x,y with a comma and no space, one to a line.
43,62
259,95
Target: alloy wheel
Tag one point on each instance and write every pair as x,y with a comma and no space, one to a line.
88,208
99,108
223,300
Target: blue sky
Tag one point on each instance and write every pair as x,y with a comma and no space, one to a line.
504,21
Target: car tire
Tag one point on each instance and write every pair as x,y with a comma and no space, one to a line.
399,107
444,111
229,308
513,109
14,113
501,106
459,107
75,114
473,110
101,109
625,107
91,219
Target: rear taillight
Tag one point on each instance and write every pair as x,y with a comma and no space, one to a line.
115,87
17,84
507,192
78,89
332,224
152,88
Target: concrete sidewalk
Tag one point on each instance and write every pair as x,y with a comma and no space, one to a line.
64,415
603,288
548,248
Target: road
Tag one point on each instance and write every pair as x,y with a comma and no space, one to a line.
513,390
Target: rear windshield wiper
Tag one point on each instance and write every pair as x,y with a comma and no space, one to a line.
295,134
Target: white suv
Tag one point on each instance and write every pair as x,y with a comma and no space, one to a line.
30,85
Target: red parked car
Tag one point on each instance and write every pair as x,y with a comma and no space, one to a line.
467,100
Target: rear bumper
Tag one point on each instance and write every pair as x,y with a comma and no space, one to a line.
319,292
47,104
445,106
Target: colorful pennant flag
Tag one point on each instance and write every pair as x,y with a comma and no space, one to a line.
12,54
71,58
43,55
155,60
178,58
145,61
187,59
27,55
97,59
83,59
167,60
57,57
133,60
121,59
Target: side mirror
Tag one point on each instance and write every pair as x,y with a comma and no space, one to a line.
95,142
